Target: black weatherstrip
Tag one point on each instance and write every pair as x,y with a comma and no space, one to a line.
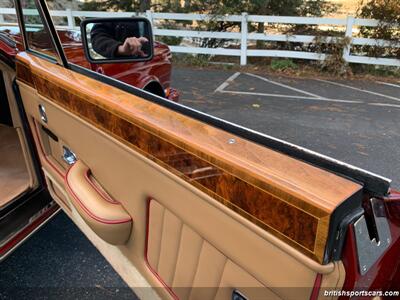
343,215
374,184
5,113
7,60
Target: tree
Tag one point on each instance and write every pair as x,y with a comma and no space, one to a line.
384,10
116,5
219,7
216,8
144,5
317,8
256,7
388,13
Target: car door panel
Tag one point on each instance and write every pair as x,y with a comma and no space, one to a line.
205,212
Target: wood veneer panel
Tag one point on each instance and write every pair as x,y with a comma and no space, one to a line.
286,197
24,74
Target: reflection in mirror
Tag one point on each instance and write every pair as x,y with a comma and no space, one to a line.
116,39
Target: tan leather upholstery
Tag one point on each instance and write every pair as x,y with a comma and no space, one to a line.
17,173
193,267
103,214
188,228
57,192
14,176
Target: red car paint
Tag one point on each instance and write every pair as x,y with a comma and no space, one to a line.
384,275
29,229
156,72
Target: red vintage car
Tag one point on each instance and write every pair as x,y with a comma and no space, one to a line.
153,76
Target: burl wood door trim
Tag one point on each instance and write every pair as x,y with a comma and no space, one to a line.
288,198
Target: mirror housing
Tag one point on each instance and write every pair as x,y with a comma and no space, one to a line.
117,40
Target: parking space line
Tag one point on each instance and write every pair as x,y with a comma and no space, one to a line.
358,89
291,97
284,85
384,104
310,96
226,83
389,84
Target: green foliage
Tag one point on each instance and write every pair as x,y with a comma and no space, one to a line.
283,65
256,7
215,8
383,10
388,13
116,5
334,63
170,40
379,71
317,8
197,60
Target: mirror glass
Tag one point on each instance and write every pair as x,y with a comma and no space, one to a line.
118,39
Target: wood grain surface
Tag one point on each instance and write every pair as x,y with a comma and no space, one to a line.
288,198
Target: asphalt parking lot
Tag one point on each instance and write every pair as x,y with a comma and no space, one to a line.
59,262
356,121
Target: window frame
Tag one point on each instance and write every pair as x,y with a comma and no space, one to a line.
45,17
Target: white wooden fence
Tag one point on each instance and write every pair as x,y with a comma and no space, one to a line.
244,36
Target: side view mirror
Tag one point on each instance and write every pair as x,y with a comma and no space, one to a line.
113,40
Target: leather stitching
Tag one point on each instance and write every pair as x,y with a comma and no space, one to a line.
88,212
102,193
168,288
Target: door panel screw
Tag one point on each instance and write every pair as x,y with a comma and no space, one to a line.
364,268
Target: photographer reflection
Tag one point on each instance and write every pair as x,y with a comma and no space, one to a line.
123,39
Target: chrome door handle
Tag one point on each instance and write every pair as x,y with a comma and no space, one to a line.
42,113
69,156
237,295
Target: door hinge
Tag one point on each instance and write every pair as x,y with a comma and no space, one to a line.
370,250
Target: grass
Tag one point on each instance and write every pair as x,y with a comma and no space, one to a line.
283,65
377,71
293,68
191,60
